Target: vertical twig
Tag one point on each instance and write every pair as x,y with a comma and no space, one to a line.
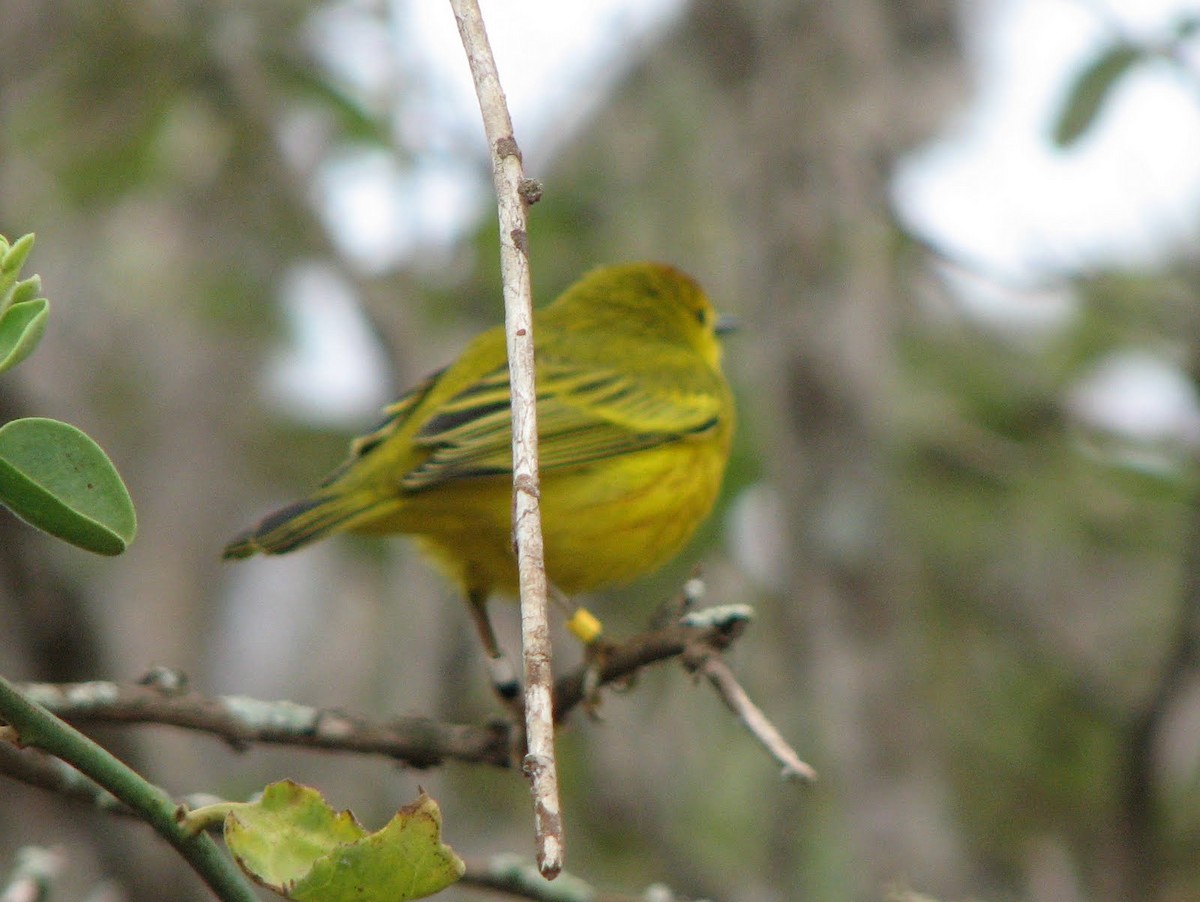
508,176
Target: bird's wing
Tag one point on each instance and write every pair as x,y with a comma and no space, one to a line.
584,416
396,416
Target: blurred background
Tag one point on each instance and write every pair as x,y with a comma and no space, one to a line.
961,238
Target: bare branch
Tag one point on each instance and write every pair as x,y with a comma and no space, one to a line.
36,768
713,667
418,741
519,879
512,876
512,189
698,640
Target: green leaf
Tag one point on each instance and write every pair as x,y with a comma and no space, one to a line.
1091,91
21,328
293,843
14,256
26,290
10,266
54,477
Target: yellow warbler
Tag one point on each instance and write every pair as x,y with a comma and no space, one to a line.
634,419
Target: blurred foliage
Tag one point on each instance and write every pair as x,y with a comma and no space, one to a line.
1094,84
1051,570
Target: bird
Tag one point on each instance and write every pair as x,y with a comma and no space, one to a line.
635,424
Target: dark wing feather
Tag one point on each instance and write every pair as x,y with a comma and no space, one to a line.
584,416
396,415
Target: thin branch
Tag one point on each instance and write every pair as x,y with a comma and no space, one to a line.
617,663
512,192
36,768
241,721
417,741
714,668
37,727
699,639
512,876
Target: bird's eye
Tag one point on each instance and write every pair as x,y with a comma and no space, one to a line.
702,316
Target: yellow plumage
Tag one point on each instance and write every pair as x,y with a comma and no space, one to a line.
634,420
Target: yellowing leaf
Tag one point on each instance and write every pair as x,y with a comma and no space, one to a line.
292,842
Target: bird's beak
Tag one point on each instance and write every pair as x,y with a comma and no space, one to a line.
726,324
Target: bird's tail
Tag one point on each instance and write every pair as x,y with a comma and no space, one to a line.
302,522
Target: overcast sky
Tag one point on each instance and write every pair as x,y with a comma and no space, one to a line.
993,186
